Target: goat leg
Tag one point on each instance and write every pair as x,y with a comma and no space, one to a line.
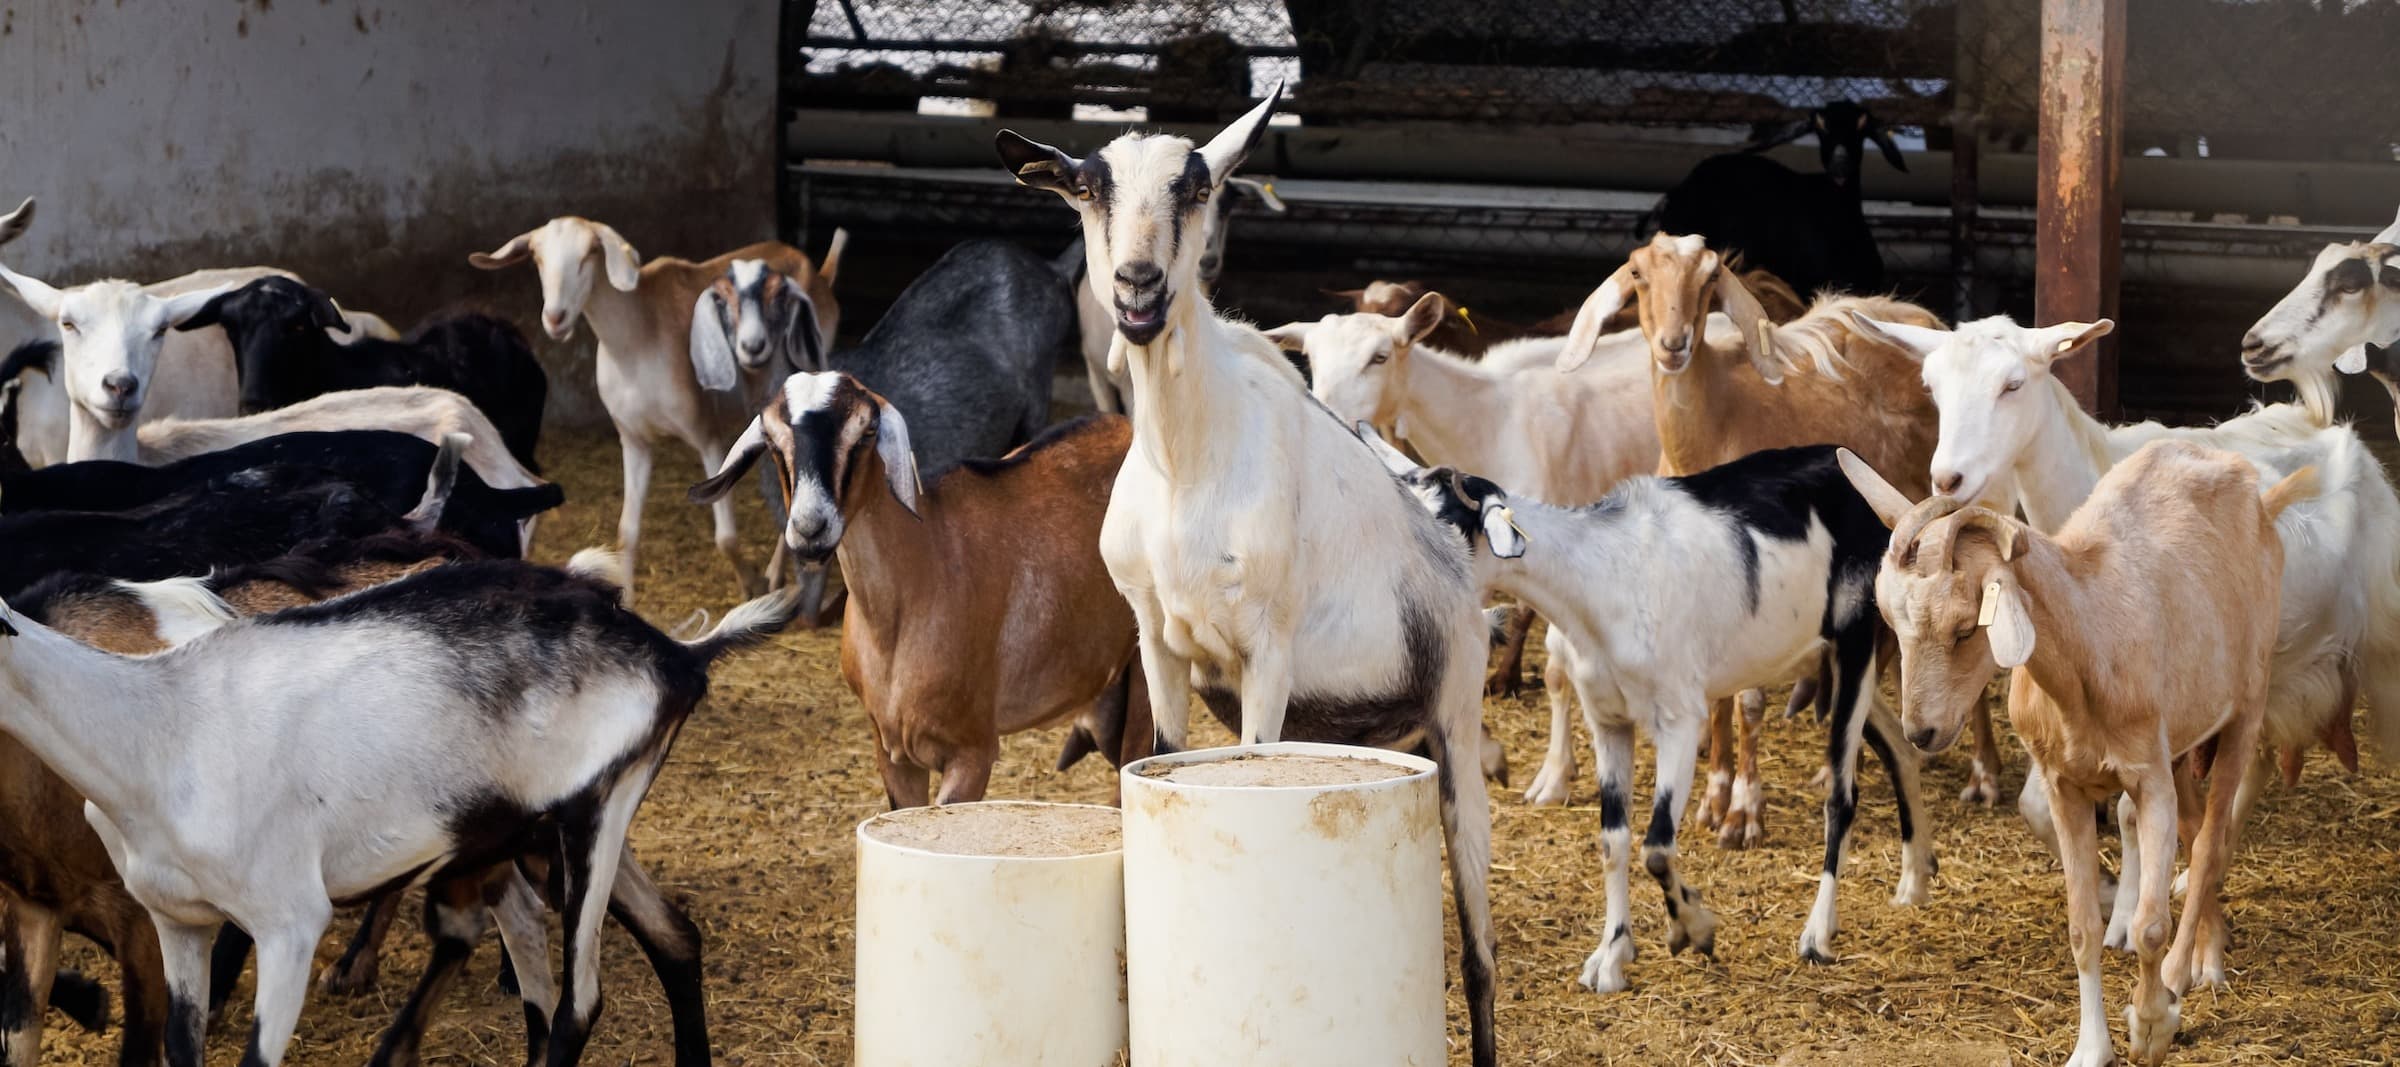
1507,677
455,920
672,942
355,972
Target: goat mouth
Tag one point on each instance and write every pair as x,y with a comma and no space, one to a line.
1674,362
2259,369
1143,321
115,417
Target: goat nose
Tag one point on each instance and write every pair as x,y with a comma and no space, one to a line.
1681,342
552,317
1922,738
1142,275
119,384
1946,482
755,345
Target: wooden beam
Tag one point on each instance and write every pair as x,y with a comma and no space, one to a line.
2079,196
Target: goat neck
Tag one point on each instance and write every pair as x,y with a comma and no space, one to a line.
2062,462
88,439
886,554
1696,407
1187,416
91,716
1434,388
2063,693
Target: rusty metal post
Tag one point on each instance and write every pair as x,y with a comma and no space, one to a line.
2081,206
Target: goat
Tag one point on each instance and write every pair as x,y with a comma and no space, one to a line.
1096,327
283,355
1469,334
1513,416
1269,561
384,709
390,467
1814,380
1808,229
2006,420
642,329
2131,636
2349,299
1740,574
979,605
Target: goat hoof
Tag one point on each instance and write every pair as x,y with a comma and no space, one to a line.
1981,790
2088,1056
1604,970
1741,830
346,979
1550,787
1504,683
2150,1041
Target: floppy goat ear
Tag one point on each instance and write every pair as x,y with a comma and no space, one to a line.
1883,140
2011,628
1037,165
899,460
513,252
712,351
738,461
1584,337
804,340
617,257
1758,333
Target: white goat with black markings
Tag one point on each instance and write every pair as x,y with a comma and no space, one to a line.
2004,417
2345,308
1269,560
1736,576
417,731
1097,325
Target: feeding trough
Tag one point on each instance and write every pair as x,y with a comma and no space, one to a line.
1283,906
991,933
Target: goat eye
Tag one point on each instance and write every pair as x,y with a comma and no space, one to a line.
1083,191
1960,639
66,326
1200,196
2012,385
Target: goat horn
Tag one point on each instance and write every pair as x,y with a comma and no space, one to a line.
1912,525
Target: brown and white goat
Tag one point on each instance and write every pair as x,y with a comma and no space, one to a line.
1470,334
979,606
1814,380
642,327
2133,635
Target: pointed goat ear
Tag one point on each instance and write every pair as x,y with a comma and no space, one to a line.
1427,313
1231,145
1035,164
2011,628
899,460
711,350
36,293
1889,504
1290,334
2058,341
1883,140
13,224
1917,341
738,461
1393,459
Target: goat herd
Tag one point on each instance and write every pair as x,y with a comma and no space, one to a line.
270,646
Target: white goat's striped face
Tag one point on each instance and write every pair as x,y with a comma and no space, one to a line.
2330,313
1145,203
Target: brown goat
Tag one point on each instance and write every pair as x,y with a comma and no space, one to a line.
1469,334
2133,636
1814,380
979,605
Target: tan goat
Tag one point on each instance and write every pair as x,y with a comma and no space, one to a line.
2132,636
1814,380
979,606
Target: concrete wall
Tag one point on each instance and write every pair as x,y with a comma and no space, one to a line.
371,144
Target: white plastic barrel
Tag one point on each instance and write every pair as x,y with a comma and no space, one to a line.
991,934
1283,906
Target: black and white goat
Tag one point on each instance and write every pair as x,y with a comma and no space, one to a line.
1808,229
1269,561
390,467
1738,576
422,731
283,356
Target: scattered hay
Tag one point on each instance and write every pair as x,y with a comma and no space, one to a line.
751,827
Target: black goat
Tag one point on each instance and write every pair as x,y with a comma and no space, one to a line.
246,516
1807,229
283,356
389,467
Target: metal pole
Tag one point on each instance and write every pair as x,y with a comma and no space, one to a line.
1966,138
2080,200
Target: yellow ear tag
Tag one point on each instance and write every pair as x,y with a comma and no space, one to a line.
1510,517
1469,320
1991,603
1766,337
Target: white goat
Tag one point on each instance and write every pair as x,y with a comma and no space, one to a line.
1097,325
395,754
642,329
2003,416
1513,417
1269,560
2349,299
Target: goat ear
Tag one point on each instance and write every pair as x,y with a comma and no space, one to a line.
323,313
1784,134
1883,140
182,307
209,314
2390,234
1887,502
2011,536
1231,145
1918,341
36,293
2056,342
1288,335
509,254
899,460
1393,459
12,225
1427,313
1584,337
617,257
1036,165
738,461
1758,334
2353,360
2011,628
1352,297
711,350
803,335
1264,191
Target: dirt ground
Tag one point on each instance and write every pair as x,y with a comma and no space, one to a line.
751,826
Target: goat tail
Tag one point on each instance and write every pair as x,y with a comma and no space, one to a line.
749,624
831,266
599,565
440,481
180,608
2302,484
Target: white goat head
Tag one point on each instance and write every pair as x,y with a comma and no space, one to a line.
753,317
1979,375
1467,503
1139,197
1948,592
2349,299
563,251
109,335
1358,363
820,429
